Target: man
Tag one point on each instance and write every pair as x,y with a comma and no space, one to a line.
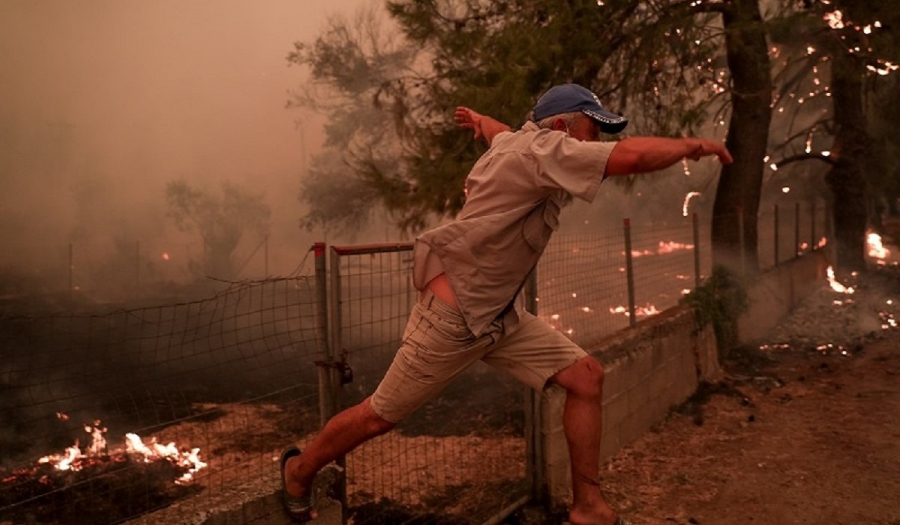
469,273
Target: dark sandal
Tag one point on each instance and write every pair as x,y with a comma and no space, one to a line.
619,521
299,509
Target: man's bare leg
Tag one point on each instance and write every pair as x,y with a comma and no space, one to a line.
343,433
583,422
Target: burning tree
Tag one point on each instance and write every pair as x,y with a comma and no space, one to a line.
833,55
220,219
671,65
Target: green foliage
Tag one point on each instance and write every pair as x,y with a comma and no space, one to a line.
359,77
719,300
497,57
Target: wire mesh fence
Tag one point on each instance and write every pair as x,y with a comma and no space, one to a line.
90,403
463,452
590,286
787,230
106,417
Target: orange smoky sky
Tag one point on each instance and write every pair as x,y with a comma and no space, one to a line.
104,101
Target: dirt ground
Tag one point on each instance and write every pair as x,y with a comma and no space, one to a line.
803,429
789,437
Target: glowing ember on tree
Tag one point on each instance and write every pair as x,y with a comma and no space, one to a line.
687,199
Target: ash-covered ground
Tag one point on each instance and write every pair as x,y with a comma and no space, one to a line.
832,321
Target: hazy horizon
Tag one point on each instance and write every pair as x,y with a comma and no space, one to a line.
105,101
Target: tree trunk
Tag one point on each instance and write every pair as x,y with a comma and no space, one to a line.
748,132
850,153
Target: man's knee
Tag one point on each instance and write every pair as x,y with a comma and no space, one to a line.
593,377
584,378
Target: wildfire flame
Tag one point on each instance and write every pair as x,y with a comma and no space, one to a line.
876,249
639,311
154,452
663,248
672,246
835,285
75,458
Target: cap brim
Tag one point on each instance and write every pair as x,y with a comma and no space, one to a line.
609,122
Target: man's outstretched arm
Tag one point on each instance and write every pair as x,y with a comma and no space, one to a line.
644,154
482,125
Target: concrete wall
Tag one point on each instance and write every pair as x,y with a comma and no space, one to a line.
649,369
660,363
775,293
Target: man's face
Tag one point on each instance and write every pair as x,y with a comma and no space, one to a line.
585,129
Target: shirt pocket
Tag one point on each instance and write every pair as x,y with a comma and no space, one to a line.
540,224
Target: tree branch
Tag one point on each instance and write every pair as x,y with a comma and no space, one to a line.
805,156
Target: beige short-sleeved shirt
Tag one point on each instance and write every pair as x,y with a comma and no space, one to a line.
514,195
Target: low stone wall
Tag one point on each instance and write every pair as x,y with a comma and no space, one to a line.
660,363
775,293
649,369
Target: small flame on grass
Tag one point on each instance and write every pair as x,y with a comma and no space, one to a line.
835,285
646,310
75,458
154,451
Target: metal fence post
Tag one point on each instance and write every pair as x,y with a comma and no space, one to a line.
696,222
776,235
813,244
336,355
797,230
534,468
743,250
326,404
336,319
629,273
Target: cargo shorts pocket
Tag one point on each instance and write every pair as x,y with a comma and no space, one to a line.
435,349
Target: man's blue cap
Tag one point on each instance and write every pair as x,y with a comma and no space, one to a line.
570,98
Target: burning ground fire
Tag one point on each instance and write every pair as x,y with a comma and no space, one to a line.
664,247
842,317
76,458
877,249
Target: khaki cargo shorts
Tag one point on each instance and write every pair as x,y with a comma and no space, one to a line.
437,346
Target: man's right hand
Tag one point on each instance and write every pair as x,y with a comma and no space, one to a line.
483,127
469,119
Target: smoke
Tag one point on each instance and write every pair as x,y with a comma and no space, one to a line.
106,102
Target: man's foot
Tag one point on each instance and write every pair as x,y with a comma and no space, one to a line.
594,516
617,521
299,506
